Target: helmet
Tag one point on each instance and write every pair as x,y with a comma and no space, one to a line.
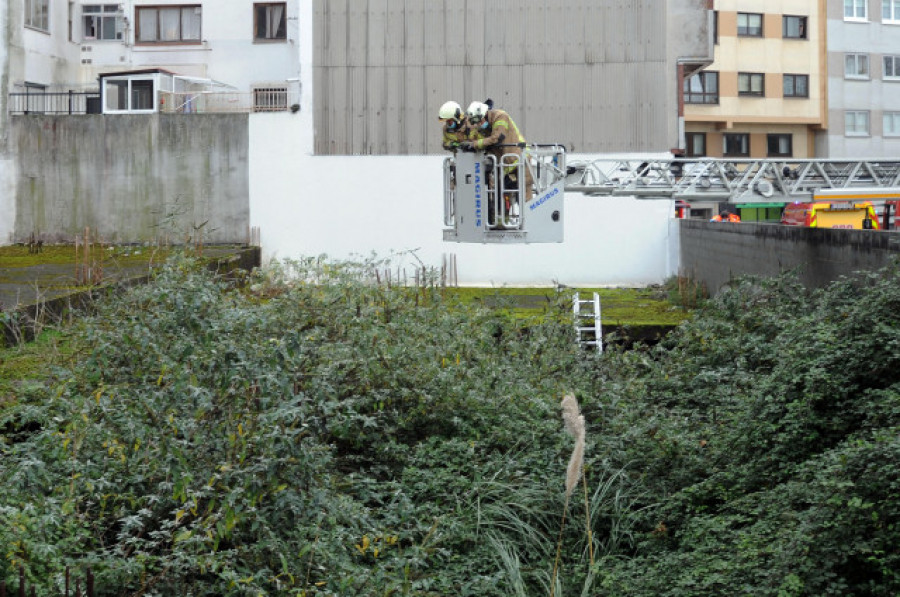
476,112
450,111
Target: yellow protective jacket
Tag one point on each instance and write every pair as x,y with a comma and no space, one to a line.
501,130
452,139
498,138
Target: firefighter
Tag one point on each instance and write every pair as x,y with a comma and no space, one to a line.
455,129
726,216
495,132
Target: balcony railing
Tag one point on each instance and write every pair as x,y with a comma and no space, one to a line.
258,100
196,102
69,102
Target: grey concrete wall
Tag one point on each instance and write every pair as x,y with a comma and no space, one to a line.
714,253
132,178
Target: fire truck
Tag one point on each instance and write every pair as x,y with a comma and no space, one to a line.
483,204
843,208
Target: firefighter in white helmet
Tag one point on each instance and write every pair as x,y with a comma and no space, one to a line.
455,129
493,130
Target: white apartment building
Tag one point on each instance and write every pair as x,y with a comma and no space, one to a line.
245,49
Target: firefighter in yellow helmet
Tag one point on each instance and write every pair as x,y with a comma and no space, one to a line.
455,129
493,130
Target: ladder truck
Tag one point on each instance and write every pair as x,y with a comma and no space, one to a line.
481,205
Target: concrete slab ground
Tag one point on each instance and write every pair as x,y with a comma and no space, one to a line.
28,279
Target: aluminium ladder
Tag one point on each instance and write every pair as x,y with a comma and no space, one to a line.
586,313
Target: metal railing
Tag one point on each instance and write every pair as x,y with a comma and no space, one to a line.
724,179
206,102
197,102
67,102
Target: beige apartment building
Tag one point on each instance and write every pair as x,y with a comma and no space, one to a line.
764,95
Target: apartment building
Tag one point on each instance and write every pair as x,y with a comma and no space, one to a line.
765,93
243,50
863,58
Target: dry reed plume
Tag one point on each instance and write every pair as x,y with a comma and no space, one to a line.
573,421
574,424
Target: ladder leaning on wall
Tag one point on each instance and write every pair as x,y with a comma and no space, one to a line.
586,313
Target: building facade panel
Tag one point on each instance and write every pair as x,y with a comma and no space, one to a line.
862,97
502,42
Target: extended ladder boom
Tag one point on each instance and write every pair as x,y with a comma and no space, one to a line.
487,199
714,179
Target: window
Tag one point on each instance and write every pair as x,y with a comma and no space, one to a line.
695,144
855,10
892,67
736,144
269,99
856,66
751,84
890,11
702,88
891,124
856,123
749,24
794,27
168,24
779,145
37,14
101,21
796,86
128,95
269,21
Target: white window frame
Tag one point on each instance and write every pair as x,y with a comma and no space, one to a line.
890,124
856,10
143,15
105,13
890,12
856,66
37,15
891,63
114,82
856,123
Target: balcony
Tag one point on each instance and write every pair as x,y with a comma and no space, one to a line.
68,102
192,102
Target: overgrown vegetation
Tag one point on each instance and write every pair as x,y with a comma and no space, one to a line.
323,434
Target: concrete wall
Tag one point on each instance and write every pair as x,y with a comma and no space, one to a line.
714,253
343,207
131,178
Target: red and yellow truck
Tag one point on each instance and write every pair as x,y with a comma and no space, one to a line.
839,208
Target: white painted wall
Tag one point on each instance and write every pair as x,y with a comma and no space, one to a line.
359,205
343,206
7,199
7,186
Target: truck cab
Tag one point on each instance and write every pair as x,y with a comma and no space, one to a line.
859,215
